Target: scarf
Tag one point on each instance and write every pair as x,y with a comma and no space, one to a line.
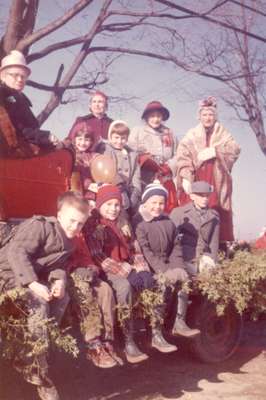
116,246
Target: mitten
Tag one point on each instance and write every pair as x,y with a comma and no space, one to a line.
207,154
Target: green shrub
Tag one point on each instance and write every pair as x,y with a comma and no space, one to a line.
241,280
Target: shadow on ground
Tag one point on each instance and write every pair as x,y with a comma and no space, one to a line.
161,376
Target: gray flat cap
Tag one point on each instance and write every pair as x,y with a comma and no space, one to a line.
201,187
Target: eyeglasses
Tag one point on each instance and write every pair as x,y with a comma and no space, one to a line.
16,76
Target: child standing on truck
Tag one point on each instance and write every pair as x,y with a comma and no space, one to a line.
128,169
124,268
82,138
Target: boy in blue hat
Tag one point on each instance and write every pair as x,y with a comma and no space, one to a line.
156,235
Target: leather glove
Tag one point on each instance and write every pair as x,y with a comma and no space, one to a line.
207,154
206,263
186,186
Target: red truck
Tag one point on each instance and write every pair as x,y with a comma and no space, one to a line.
31,186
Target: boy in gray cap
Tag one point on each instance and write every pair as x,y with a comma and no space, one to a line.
198,226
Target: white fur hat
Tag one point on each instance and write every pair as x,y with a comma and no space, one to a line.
14,59
113,124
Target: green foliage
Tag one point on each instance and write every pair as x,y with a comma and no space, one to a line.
241,281
147,304
86,306
20,340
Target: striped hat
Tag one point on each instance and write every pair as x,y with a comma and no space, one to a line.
106,193
153,189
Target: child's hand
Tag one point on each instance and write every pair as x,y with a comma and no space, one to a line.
41,290
58,288
126,230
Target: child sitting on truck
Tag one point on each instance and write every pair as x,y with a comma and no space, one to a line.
156,235
121,265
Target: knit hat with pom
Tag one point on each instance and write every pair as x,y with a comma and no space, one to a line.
154,189
106,193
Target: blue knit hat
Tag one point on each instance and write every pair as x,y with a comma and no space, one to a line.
153,189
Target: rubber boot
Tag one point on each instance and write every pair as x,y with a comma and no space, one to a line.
180,327
158,342
132,352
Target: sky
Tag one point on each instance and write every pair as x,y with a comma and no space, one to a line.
146,80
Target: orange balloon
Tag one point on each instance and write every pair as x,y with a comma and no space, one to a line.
103,169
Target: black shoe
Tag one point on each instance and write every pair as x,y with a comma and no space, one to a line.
48,392
159,343
133,353
180,328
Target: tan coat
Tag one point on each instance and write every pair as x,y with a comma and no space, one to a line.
227,152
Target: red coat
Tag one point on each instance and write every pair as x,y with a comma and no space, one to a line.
99,125
81,256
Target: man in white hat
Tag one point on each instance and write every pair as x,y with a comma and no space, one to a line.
20,135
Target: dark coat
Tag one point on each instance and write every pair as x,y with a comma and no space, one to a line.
199,231
18,108
38,247
158,241
99,125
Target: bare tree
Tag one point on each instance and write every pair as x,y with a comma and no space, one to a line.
229,55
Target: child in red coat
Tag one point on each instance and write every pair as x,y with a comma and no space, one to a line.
99,299
82,138
124,268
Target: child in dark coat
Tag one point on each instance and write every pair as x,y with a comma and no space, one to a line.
156,235
123,267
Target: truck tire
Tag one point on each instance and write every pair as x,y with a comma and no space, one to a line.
220,335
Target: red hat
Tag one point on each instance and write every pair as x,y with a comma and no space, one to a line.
155,106
106,193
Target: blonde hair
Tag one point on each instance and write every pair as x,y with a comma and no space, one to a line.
73,199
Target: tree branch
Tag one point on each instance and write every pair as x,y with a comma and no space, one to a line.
211,19
56,97
162,57
52,26
52,88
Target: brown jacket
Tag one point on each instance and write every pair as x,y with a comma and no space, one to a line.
38,247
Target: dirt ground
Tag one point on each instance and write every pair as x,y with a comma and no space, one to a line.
174,376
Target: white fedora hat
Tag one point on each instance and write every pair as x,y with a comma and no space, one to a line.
14,59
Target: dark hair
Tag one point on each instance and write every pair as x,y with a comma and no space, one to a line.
120,129
73,199
81,128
